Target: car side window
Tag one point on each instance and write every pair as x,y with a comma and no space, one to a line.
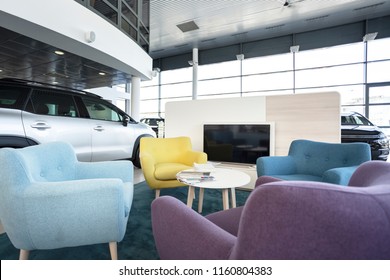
53,103
12,97
99,110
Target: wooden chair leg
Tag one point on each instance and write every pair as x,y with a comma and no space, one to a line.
113,250
157,193
24,254
200,202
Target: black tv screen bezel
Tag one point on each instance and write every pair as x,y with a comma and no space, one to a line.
225,150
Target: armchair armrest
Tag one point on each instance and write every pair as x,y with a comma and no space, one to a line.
194,156
74,213
339,175
275,165
120,169
265,180
181,233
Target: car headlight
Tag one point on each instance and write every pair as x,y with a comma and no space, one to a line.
383,140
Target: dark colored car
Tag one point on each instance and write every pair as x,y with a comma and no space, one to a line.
357,128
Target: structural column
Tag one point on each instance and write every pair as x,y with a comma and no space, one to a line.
194,73
135,97
127,100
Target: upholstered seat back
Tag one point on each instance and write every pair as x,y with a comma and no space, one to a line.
53,162
315,158
166,149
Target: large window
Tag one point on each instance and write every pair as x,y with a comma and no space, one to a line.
130,16
348,69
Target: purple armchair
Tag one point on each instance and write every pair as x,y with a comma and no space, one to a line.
285,220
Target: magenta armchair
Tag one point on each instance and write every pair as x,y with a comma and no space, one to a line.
285,220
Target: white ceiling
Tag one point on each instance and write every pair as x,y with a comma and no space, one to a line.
225,22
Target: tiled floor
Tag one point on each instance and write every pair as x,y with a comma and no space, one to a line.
138,177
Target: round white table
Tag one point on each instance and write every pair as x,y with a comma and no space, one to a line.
224,179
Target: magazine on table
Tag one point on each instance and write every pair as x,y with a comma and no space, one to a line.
194,176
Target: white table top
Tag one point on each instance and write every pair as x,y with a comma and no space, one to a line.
223,178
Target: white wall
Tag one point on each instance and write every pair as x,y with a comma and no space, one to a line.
187,117
64,23
300,116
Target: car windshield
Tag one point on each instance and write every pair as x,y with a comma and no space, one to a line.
355,120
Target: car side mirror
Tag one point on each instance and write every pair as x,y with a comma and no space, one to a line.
125,120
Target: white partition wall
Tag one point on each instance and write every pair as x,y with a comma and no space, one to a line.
313,116
186,118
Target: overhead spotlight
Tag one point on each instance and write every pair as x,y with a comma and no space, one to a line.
190,62
370,36
155,71
294,49
240,56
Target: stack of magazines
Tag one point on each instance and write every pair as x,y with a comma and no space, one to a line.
189,177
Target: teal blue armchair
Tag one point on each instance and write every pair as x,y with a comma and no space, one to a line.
316,161
49,200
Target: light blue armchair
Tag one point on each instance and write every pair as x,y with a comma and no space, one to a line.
50,200
316,161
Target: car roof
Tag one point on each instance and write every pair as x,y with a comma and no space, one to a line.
351,113
33,84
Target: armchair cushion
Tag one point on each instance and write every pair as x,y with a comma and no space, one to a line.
168,170
316,161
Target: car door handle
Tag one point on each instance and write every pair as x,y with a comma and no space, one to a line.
40,125
99,128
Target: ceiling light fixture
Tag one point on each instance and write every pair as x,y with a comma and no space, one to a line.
57,52
102,73
294,49
370,36
155,71
240,56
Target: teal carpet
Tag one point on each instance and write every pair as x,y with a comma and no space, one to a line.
138,243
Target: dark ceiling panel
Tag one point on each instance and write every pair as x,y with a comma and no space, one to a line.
25,58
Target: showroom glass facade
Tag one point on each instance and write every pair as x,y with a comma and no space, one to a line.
130,16
359,71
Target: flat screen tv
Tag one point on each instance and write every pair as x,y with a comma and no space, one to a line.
237,143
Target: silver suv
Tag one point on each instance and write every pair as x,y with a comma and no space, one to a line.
33,113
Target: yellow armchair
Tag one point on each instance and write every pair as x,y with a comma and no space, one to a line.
162,158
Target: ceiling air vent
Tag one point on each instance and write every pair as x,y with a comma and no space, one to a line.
187,26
